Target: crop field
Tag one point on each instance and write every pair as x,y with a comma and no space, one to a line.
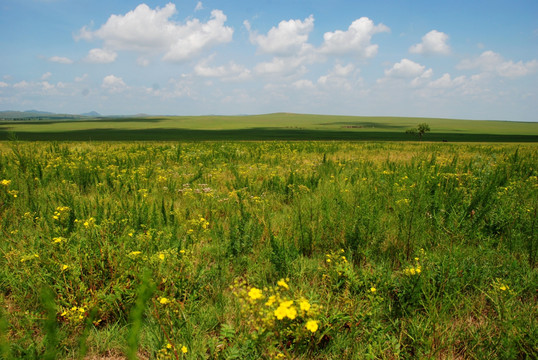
279,126
268,249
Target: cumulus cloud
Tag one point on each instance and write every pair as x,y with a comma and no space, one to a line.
338,76
151,31
493,62
60,60
113,83
81,78
434,42
446,82
101,56
303,84
356,40
199,6
46,75
282,66
405,69
3,84
22,85
288,38
231,71
408,71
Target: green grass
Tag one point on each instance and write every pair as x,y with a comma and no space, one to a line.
281,126
247,250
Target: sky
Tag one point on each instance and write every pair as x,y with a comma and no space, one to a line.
467,59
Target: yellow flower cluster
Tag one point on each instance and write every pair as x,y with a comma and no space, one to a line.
169,351
414,270
336,257
274,311
88,223
61,213
26,258
194,225
500,286
337,266
74,315
58,240
5,182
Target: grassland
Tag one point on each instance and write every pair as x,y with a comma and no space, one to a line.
281,126
248,250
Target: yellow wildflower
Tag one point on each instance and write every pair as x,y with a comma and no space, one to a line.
283,284
164,300
5,182
291,312
304,305
184,349
312,325
255,293
58,240
280,312
373,289
271,300
286,304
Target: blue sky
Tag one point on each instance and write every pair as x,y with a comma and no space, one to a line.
456,59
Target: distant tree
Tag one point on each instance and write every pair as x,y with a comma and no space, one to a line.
420,130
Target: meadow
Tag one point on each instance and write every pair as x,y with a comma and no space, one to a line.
268,250
278,126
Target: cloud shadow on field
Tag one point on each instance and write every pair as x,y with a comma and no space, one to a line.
174,134
365,124
85,121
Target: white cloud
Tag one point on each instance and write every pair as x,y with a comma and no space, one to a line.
434,42
151,31
81,78
356,40
61,60
199,6
493,62
47,86
282,66
405,69
142,61
231,71
3,84
101,56
113,83
46,75
340,70
289,38
422,78
338,77
303,84
21,85
446,82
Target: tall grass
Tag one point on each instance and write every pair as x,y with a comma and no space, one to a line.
367,250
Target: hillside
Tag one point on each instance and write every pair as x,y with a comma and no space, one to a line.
283,126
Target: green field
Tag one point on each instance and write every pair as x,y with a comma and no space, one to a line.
280,126
268,250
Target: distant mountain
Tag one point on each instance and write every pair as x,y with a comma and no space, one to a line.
91,114
41,115
38,112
